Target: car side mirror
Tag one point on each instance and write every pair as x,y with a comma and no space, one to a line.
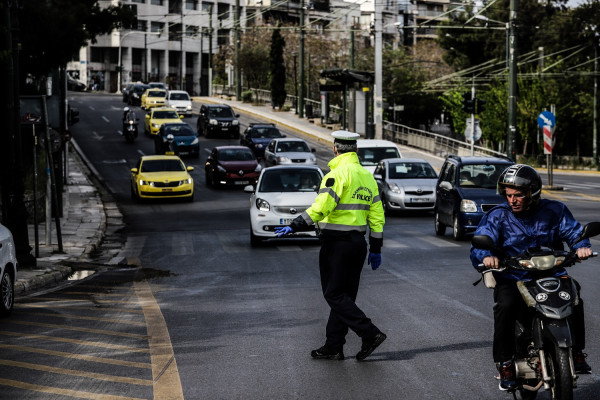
237,115
249,189
446,185
313,150
190,168
378,176
134,170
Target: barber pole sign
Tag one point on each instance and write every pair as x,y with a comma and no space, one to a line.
547,122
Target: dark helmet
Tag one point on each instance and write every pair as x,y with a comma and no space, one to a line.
521,177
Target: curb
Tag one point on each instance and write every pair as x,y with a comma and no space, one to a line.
59,274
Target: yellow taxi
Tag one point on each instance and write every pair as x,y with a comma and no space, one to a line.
155,117
160,177
153,97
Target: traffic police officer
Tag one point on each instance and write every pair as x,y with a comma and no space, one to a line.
348,202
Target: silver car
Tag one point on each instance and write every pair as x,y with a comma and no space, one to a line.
289,151
406,184
8,271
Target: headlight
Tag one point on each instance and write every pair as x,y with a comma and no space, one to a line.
235,122
468,206
542,262
195,141
189,107
155,125
130,122
188,181
136,95
221,169
394,187
213,122
259,146
283,160
263,205
142,182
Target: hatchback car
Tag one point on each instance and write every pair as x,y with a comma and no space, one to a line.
153,98
289,151
8,271
160,177
181,101
155,117
371,151
231,166
184,141
258,136
406,184
134,96
282,193
465,191
218,120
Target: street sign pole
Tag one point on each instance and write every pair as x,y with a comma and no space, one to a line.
547,121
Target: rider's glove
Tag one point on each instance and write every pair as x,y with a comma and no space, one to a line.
374,260
284,230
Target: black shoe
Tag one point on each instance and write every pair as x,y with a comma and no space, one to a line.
369,345
581,366
324,353
507,376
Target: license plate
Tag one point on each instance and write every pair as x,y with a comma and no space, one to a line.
167,190
419,200
285,221
241,182
224,129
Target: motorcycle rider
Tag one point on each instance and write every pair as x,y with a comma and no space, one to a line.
523,222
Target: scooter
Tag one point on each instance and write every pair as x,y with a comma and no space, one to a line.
543,357
130,127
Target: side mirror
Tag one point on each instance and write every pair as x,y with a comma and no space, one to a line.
190,169
249,189
445,185
313,150
590,230
378,176
134,170
483,242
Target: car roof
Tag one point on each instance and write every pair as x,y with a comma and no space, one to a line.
478,160
160,157
288,166
375,143
286,139
231,147
178,91
217,105
404,160
163,109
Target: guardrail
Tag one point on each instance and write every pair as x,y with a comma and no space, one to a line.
434,143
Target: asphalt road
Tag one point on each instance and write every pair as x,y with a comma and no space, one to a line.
240,321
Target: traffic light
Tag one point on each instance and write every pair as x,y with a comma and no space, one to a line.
479,106
468,103
72,116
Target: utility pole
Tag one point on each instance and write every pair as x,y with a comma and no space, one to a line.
238,71
181,58
301,64
595,113
210,52
378,105
512,83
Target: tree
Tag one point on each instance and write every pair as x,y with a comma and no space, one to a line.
278,93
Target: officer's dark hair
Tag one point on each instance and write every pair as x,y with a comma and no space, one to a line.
345,146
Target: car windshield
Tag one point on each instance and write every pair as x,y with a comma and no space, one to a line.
157,93
236,155
179,130
271,133
179,96
289,147
220,112
480,175
372,155
290,180
162,165
165,115
406,170
140,89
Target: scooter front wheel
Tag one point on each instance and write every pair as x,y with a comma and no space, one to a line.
560,371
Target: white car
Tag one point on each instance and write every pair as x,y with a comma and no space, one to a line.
406,184
289,151
281,194
371,151
8,271
181,101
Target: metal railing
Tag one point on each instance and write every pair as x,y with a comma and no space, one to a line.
433,143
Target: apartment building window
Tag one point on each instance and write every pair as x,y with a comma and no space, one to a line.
191,4
97,54
142,25
207,6
223,37
158,27
157,2
175,6
223,11
175,31
191,30
138,1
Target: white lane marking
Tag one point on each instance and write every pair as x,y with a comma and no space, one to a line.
105,119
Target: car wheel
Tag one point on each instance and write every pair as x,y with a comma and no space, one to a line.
457,230
7,294
255,241
386,206
134,196
440,228
191,198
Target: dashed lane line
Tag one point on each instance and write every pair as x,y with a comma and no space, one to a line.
80,329
83,357
72,372
62,392
167,383
111,346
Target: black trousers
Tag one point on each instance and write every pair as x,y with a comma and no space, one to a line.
341,264
509,306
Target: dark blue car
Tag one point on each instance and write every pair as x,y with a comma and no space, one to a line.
465,191
184,142
258,136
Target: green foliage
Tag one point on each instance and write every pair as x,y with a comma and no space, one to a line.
247,96
278,93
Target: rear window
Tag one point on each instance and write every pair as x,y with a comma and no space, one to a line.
290,180
179,96
405,170
372,155
480,175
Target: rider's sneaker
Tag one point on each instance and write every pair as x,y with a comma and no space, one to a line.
581,366
507,376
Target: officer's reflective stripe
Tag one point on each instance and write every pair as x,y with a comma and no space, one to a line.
365,207
306,218
376,199
340,227
331,192
376,235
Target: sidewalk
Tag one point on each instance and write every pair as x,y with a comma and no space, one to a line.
83,226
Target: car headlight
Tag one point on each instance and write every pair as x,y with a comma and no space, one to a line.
262,205
142,182
394,187
188,181
195,141
155,125
189,107
282,159
468,206
235,122
313,159
259,146
136,95
221,169
213,122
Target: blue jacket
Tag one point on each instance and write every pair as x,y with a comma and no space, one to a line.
547,225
